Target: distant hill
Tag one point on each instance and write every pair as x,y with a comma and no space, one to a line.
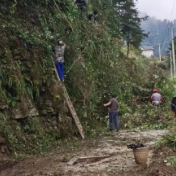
159,33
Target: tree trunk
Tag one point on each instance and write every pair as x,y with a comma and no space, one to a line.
128,48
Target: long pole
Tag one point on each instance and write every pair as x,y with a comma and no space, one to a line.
173,50
171,64
159,53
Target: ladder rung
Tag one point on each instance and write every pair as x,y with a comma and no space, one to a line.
72,110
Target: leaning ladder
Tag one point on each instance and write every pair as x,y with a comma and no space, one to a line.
70,105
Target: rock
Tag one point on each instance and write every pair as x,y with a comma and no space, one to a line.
17,114
168,164
2,107
24,109
3,149
33,112
44,112
2,140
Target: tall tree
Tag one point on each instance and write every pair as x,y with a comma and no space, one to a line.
130,22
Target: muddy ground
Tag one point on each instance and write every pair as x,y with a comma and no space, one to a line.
119,160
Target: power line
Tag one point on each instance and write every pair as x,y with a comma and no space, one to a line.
172,8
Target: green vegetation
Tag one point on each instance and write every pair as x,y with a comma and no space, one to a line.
97,65
171,160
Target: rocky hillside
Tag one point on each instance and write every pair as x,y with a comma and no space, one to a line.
33,113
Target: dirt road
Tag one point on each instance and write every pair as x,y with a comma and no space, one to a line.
120,160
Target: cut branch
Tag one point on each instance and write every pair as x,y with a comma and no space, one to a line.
86,159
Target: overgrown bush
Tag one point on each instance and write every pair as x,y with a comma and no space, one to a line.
96,66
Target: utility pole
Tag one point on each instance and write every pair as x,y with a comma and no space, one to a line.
159,53
173,50
171,64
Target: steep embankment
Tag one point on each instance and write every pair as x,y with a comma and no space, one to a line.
33,115
31,99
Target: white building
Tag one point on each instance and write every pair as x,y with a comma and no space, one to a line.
147,51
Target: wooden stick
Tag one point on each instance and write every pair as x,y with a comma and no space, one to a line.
142,98
86,159
73,64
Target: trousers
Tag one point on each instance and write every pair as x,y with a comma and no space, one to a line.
60,69
113,117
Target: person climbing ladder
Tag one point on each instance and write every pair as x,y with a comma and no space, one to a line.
59,54
59,50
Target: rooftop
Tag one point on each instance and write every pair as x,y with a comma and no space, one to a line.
147,47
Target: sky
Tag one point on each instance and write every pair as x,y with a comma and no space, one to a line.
160,9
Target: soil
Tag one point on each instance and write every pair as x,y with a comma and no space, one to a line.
120,162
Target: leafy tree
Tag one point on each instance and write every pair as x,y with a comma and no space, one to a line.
130,22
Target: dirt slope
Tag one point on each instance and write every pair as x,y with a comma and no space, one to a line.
120,161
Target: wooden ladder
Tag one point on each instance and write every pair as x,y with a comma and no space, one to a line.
70,106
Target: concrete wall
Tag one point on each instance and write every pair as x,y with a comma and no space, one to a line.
148,53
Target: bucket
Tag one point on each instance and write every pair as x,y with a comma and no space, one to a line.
141,155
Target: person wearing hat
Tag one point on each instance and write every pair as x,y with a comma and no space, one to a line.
156,97
93,16
113,113
81,5
173,104
59,54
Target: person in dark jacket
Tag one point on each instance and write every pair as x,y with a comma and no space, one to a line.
173,104
93,16
81,5
113,112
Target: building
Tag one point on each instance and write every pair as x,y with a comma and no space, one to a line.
147,51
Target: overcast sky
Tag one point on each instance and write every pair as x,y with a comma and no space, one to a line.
161,9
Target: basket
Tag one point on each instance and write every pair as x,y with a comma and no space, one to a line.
141,155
